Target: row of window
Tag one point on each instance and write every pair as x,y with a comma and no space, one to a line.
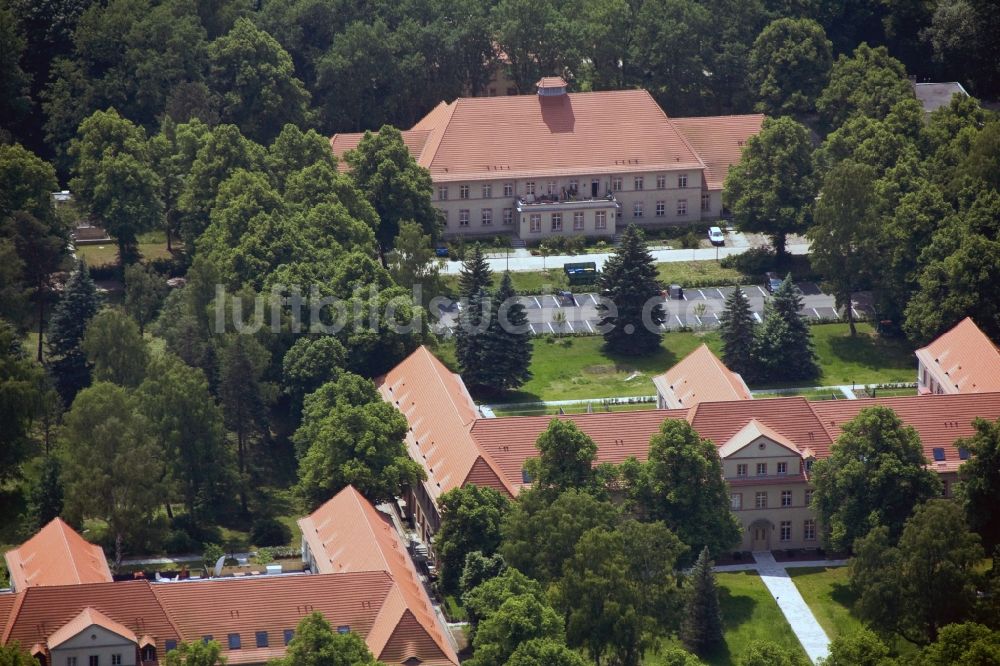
552,187
661,207
808,530
95,660
781,469
556,221
761,501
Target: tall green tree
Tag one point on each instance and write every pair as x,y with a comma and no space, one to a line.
544,652
115,348
980,475
789,64
45,495
784,348
412,262
21,401
630,313
868,82
619,589
112,465
682,484
963,643
566,459
310,363
539,535
470,522
475,275
196,653
772,187
767,653
145,290
13,654
398,188
188,428
245,397
923,584
484,599
114,179
875,475
470,342
844,232
15,100
701,630
736,329
507,346
350,436
70,317
256,80
518,619
315,643
862,648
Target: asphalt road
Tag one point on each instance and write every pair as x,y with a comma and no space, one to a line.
699,309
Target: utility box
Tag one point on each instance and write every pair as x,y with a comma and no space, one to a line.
584,272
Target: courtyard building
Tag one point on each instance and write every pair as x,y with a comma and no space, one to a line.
570,164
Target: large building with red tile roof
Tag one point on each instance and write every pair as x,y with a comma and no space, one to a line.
698,377
560,164
56,555
962,360
767,446
363,581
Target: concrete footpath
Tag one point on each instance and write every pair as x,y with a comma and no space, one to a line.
793,606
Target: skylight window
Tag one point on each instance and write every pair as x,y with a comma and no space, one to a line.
963,453
343,629
938,454
234,641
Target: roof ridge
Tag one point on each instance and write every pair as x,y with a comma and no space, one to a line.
363,504
434,140
69,550
676,129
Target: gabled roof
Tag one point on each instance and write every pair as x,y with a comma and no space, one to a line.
938,419
719,140
56,555
751,432
969,359
440,412
39,613
792,417
522,136
619,435
88,618
347,533
700,377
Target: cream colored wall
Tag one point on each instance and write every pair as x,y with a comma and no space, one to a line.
589,224
797,514
627,196
95,641
772,454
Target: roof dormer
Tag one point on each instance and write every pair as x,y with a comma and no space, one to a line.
551,86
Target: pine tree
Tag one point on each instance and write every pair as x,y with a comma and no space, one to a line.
736,328
507,345
629,282
702,627
470,341
78,305
475,275
784,347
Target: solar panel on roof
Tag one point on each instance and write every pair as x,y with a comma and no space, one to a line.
938,454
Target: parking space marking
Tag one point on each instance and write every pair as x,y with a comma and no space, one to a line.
856,315
703,294
679,322
699,320
552,330
817,313
762,292
593,298
535,299
589,327
721,295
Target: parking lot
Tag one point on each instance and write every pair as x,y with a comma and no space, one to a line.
697,309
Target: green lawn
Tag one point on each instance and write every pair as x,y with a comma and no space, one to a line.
152,245
749,613
703,273
577,367
827,592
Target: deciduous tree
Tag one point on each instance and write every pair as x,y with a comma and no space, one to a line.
869,82
316,644
789,64
115,348
980,487
518,620
766,653
566,458
772,187
22,394
630,312
544,652
470,522
875,475
862,648
145,290
196,653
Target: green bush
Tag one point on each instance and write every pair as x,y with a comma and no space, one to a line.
179,541
269,532
690,240
755,261
264,556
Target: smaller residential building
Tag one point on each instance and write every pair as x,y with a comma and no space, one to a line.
963,360
699,377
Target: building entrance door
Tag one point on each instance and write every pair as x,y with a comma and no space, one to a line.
761,538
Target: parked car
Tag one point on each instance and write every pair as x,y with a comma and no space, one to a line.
715,236
566,298
772,282
441,252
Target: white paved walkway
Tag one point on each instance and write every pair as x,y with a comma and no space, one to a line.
793,606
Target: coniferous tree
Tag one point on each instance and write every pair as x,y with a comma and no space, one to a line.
702,628
475,275
45,498
70,317
470,341
507,344
629,282
736,328
784,347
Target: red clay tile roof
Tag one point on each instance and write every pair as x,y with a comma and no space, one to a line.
440,412
719,140
551,82
346,534
56,555
969,359
939,419
700,377
41,612
618,435
521,136
87,618
751,431
792,417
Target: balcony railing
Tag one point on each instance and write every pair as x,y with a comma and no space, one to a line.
553,201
